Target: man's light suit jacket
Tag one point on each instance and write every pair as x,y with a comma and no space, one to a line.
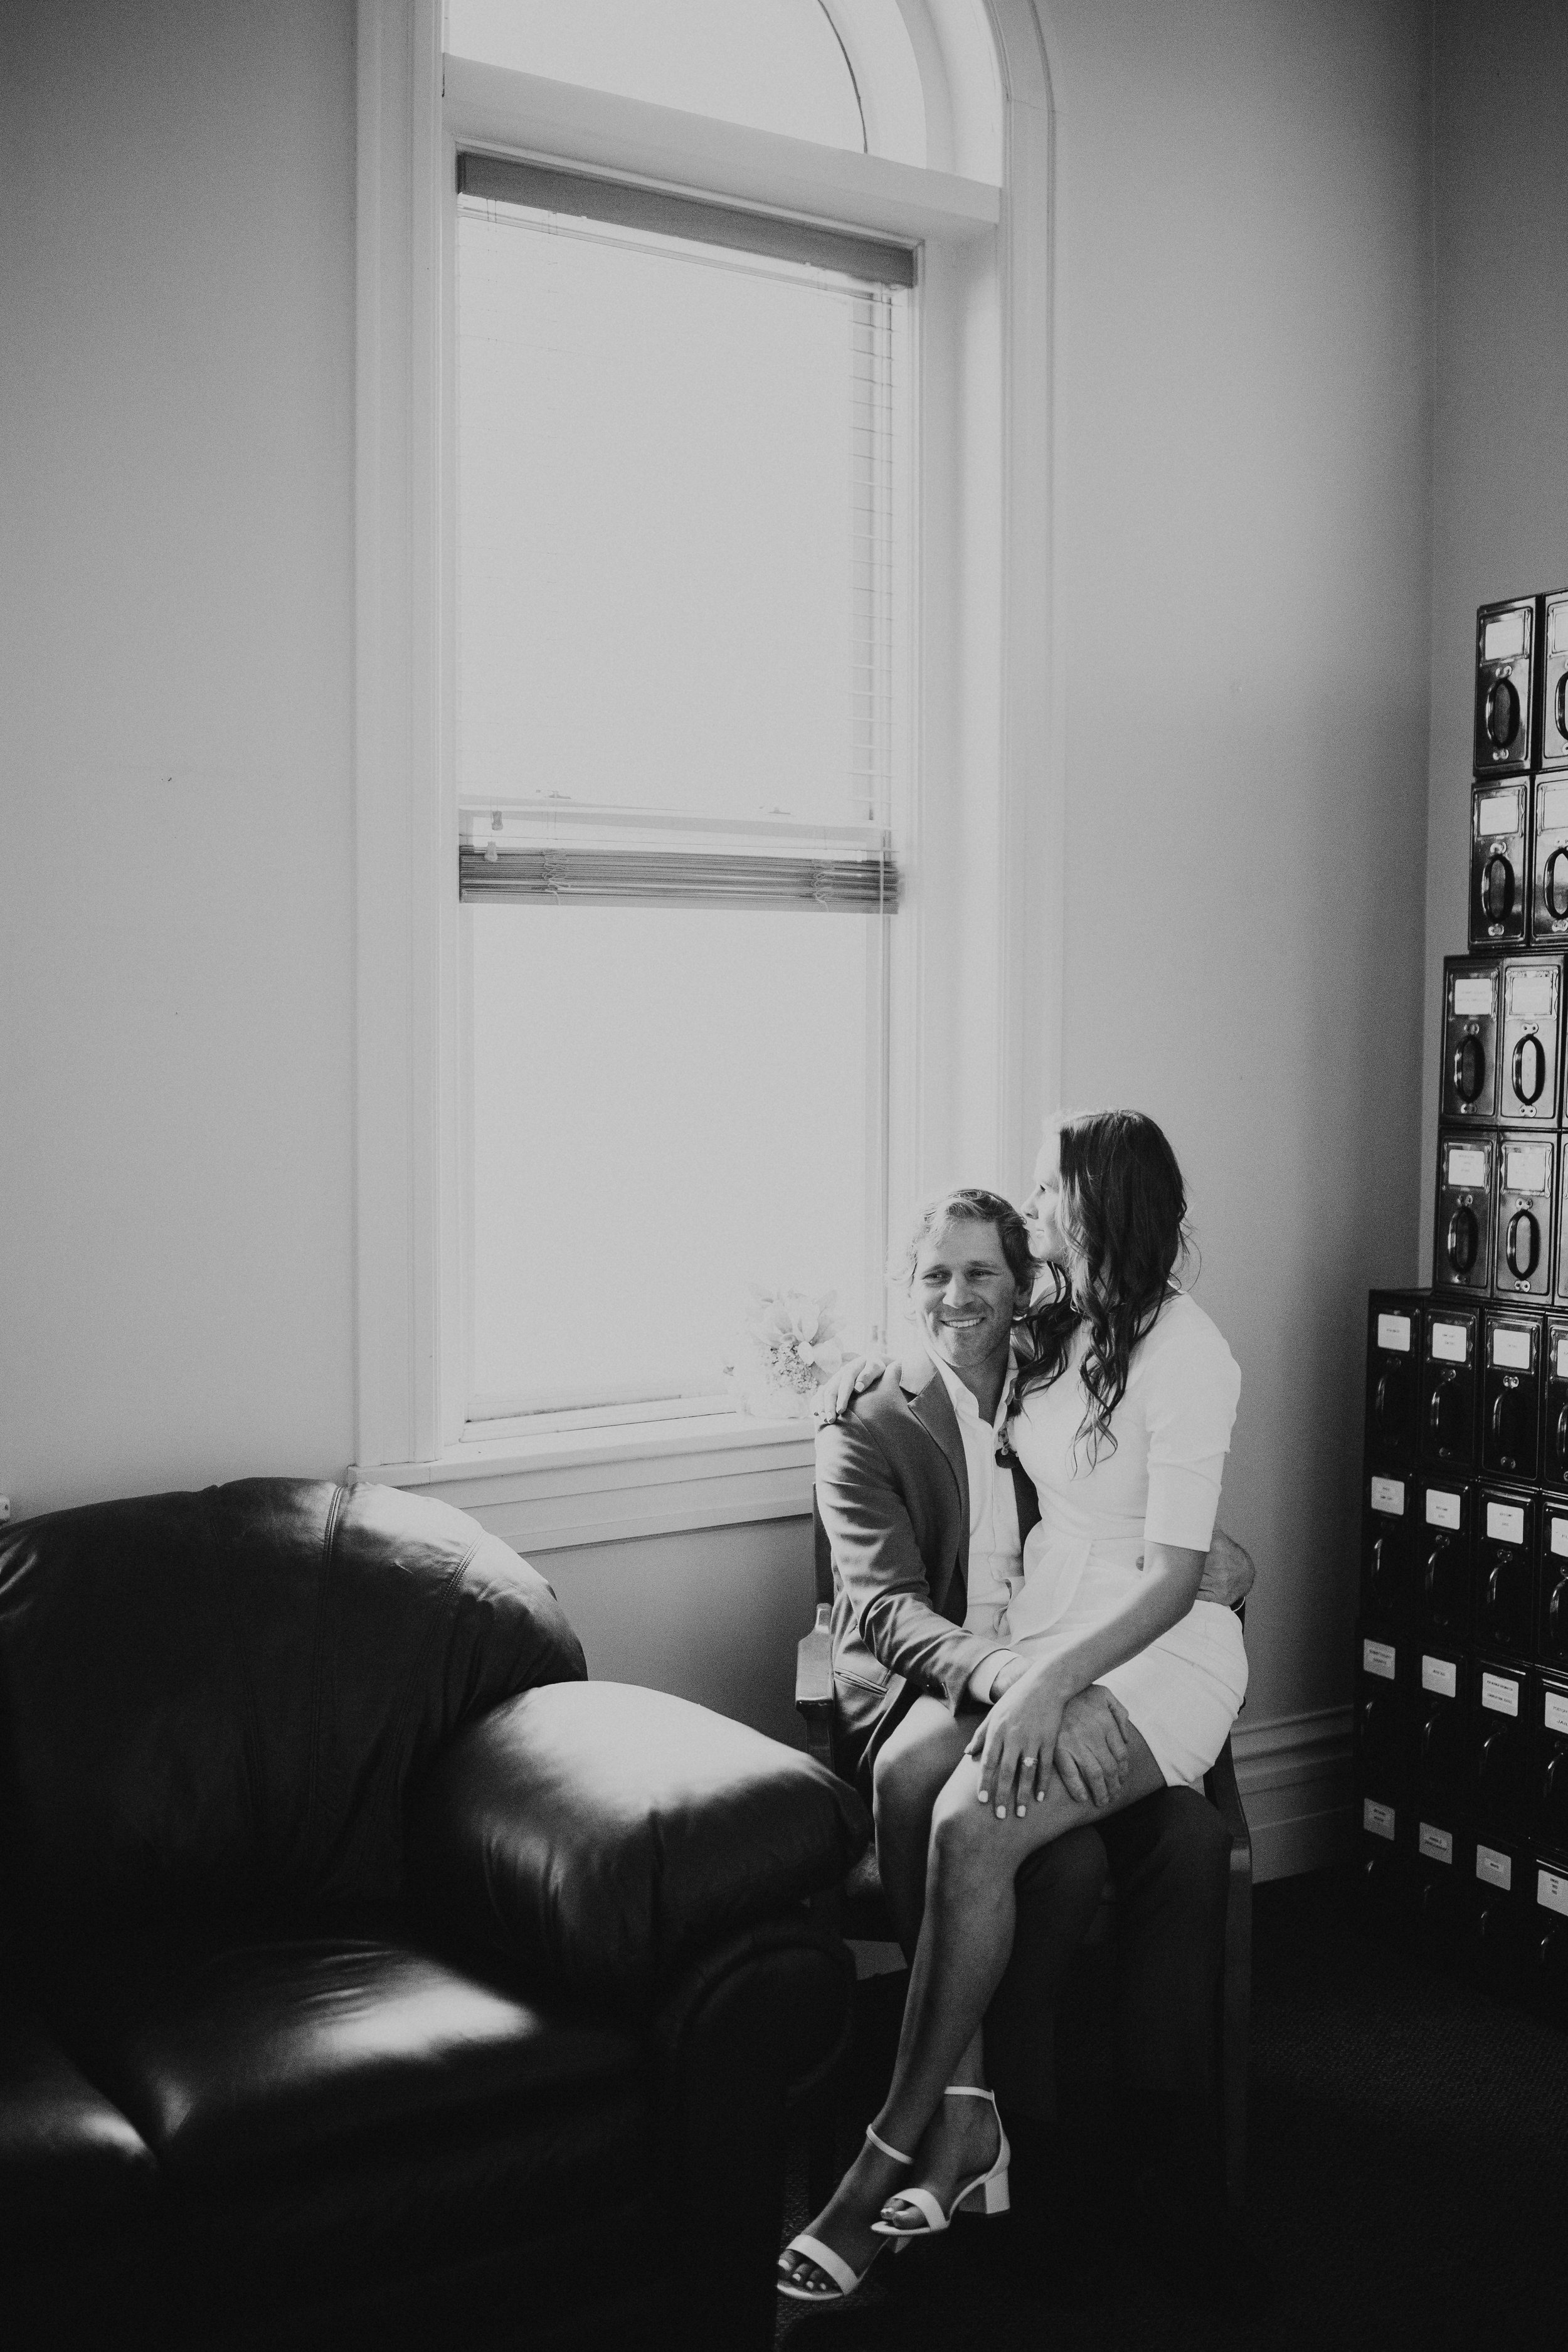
893,1491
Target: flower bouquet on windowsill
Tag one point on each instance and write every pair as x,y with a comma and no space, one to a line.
792,1343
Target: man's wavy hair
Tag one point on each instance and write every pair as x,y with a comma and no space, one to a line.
1124,1205
968,1206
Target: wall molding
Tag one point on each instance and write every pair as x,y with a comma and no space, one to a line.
609,1486
1294,1774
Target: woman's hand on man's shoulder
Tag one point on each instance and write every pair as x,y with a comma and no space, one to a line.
853,1378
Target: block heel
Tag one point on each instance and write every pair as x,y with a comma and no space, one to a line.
989,2187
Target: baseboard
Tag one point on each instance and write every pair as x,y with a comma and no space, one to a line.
1294,1775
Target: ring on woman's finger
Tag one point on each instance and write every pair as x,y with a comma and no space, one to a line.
1028,1763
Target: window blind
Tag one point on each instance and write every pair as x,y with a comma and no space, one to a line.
623,204
643,509
590,876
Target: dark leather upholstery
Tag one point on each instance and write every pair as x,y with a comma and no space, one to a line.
229,2054
370,1975
61,2141
607,1837
297,1652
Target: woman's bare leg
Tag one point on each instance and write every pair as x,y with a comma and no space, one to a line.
914,1767
966,1934
965,1941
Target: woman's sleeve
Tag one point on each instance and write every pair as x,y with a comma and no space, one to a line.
1195,1383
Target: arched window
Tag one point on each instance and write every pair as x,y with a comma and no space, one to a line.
705,779
773,64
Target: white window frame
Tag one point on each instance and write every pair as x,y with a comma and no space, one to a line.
976,984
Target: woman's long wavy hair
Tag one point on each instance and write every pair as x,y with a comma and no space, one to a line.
1123,1206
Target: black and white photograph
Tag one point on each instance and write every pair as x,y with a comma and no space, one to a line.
783,1175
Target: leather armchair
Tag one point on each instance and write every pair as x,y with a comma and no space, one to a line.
368,1974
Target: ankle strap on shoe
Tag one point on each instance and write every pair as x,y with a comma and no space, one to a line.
969,2091
896,2154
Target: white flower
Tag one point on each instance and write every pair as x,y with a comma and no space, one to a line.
795,1337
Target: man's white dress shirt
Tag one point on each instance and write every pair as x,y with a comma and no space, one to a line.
996,1561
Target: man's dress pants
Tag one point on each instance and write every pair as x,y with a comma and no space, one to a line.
1169,1860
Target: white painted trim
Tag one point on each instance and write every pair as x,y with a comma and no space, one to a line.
397,818
592,1487
409,1354
1294,1775
626,139
1032,882
703,1437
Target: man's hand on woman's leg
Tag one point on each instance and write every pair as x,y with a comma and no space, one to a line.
1092,1754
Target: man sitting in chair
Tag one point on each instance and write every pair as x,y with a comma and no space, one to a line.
927,1514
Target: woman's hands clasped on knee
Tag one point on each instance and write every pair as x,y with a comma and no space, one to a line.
1016,1747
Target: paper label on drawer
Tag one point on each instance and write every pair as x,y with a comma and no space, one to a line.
1467,1168
1495,1869
1505,1522
1437,1846
1504,637
1559,1537
1378,1819
1557,627
1500,1694
1473,991
1448,1343
1510,1349
1525,1168
1551,1891
1555,1711
1561,1360
1394,1332
1442,1675
1377,1658
1388,1495
1553,803
1532,990
1443,1511
1498,813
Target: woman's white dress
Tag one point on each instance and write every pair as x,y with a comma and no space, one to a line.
1159,1484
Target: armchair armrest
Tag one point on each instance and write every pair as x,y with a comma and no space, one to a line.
813,1687
606,1835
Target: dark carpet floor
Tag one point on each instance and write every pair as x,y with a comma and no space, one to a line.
1407,2182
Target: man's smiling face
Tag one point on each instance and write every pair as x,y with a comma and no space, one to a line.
964,1295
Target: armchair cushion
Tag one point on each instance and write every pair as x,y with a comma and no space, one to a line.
62,2146
230,2054
603,1834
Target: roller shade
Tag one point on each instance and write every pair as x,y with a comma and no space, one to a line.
576,196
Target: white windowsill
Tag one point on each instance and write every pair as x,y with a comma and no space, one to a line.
613,1485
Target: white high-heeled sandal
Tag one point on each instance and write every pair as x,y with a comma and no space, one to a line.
991,2188
832,2265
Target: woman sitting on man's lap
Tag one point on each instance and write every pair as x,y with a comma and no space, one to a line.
1099,1669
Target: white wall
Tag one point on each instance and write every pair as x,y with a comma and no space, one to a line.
1500,471
1243,457
176,286
1242,462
